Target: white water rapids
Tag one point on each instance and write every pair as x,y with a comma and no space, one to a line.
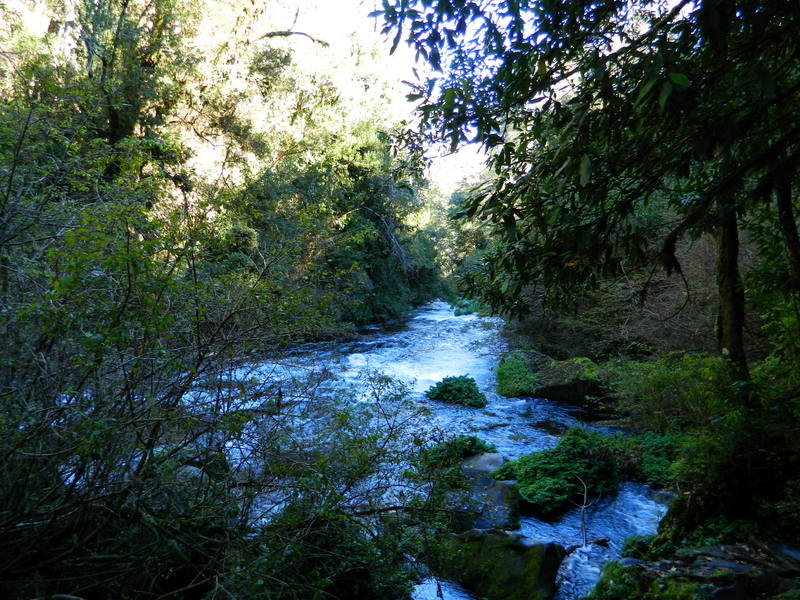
435,344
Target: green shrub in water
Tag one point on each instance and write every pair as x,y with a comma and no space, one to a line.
441,461
458,390
552,482
515,377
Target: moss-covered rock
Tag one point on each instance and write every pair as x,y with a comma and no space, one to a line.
576,381
628,580
722,571
498,566
515,377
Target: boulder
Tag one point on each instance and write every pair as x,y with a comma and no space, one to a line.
485,503
722,572
499,566
575,381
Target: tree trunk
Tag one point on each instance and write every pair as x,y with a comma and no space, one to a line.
730,318
788,227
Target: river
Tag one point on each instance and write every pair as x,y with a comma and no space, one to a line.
434,344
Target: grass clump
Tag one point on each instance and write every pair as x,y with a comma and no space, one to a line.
551,482
515,377
458,390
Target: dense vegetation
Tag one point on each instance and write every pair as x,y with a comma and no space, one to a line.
187,189
586,465
629,142
180,193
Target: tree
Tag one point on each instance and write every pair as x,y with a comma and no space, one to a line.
616,129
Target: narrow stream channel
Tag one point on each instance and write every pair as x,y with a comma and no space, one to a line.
435,344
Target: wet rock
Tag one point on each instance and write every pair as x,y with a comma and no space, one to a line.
499,566
725,572
485,503
487,462
552,427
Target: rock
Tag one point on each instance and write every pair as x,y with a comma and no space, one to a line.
575,381
499,566
487,462
725,572
485,503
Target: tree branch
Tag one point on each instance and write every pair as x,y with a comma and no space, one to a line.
273,34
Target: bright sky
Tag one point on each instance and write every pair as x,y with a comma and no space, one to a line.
335,21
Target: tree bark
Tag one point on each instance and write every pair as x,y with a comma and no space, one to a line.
730,317
788,225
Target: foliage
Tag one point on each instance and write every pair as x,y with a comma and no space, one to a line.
154,242
631,583
515,378
552,481
466,306
458,390
616,130
675,392
332,558
440,464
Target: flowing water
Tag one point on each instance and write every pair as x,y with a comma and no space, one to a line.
435,344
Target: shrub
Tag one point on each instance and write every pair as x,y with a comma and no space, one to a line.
458,390
551,482
440,462
514,376
675,392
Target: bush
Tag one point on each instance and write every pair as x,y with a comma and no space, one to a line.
515,377
458,390
551,482
439,463
675,392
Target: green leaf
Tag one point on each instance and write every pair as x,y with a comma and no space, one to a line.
680,79
664,94
585,169
646,90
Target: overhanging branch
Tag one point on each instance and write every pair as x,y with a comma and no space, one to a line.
287,33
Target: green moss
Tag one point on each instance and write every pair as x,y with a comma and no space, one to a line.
632,583
496,566
575,381
515,377
458,390
646,547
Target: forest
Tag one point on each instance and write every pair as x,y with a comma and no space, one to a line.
191,191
